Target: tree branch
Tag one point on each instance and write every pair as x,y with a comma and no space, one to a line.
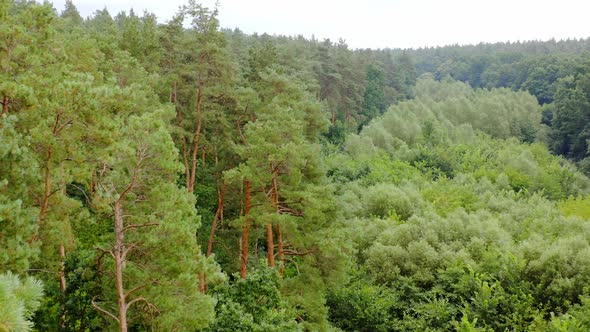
134,289
296,253
140,225
138,300
127,250
103,310
105,251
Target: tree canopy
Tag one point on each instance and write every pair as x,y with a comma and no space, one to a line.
179,176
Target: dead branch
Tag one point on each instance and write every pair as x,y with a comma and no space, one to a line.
105,251
97,307
296,253
142,299
140,225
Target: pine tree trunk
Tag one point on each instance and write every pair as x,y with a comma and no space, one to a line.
62,275
62,248
4,105
120,266
281,252
197,133
62,282
202,283
173,100
47,184
93,183
218,215
333,118
270,246
246,233
274,198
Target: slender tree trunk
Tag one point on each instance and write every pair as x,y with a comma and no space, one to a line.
281,252
270,246
246,232
202,283
333,118
218,215
93,183
196,137
274,197
119,254
47,185
4,105
62,274
173,100
62,282
187,170
62,248
197,132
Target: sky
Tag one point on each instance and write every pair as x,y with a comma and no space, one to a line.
384,23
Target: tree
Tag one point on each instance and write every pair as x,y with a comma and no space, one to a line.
374,97
17,216
570,130
149,212
70,12
201,83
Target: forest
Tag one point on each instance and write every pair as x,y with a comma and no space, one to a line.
180,176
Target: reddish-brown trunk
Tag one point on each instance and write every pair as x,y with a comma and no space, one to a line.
218,215
246,232
197,132
274,197
270,246
187,170
202,283
4,105
281,252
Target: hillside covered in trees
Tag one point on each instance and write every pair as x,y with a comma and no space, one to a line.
182,177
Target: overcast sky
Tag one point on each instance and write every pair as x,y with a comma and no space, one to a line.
385,23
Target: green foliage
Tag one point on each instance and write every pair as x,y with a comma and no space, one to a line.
403,204
18,301
462,229
570,130
374,97
253,304
362,306
17,217
576,206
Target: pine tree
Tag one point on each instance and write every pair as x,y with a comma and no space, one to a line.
149,212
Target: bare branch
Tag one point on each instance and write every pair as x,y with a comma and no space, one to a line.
141,155
296,265
97,307
140,225
127,250
58,130
105,251
41,270
142,299
134,289
296,253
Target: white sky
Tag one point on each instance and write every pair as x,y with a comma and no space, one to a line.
385,23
